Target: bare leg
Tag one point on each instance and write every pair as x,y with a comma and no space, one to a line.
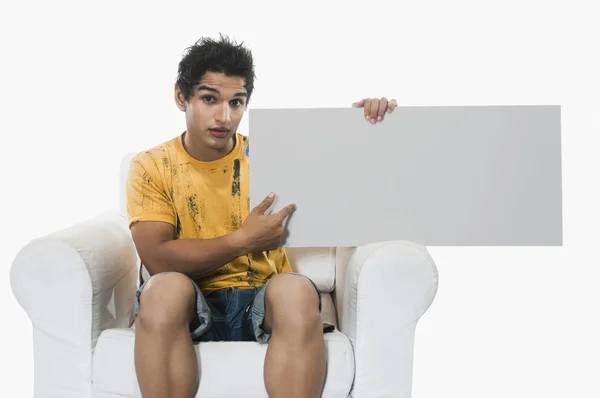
295,362
165,360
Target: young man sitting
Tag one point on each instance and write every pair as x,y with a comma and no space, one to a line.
218,271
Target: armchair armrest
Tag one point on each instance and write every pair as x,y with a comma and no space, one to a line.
382,290
73,284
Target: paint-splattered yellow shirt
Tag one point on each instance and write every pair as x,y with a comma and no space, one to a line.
202,200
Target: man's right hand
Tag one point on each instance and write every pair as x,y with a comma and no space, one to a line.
262,232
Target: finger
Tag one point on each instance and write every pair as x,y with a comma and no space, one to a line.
283,213
367,107
383,104
358,104
265,204
374,109
391,105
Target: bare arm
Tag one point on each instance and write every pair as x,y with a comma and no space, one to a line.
160,251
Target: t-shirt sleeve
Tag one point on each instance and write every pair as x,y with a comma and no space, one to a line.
147,198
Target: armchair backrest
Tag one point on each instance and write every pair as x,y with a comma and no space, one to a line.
318,263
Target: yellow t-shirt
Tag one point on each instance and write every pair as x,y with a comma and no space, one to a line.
202,200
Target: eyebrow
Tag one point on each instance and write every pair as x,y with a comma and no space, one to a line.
214,90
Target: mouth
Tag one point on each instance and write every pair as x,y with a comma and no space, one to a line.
219,132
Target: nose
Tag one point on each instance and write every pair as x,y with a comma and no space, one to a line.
223,113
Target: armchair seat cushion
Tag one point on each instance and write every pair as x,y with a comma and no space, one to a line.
228,369
114,375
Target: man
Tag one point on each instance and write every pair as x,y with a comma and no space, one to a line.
218,271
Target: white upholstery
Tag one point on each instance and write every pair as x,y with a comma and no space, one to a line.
74,284
77,286
386,289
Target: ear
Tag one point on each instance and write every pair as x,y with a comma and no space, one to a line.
180,99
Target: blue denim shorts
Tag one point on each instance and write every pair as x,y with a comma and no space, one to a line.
230,314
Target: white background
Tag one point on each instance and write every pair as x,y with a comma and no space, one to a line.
82,83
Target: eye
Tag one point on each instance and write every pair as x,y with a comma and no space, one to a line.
207,98
238,102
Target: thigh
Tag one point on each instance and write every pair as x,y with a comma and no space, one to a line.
261,316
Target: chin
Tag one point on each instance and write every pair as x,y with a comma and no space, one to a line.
219,143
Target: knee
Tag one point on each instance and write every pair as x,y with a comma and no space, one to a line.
168,299
294,301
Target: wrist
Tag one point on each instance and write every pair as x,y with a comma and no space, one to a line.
240,242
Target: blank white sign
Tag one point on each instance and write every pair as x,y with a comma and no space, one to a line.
438,176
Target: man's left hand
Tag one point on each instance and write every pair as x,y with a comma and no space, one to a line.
376,108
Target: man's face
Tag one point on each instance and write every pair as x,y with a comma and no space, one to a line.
214,111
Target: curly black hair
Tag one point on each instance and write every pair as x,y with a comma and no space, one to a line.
209,55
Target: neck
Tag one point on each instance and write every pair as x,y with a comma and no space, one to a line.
204,153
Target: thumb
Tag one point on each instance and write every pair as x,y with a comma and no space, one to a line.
358,104
265,204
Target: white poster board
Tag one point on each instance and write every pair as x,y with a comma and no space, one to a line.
439,176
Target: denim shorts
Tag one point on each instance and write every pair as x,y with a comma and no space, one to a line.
229,314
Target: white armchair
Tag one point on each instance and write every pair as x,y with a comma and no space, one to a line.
77,286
